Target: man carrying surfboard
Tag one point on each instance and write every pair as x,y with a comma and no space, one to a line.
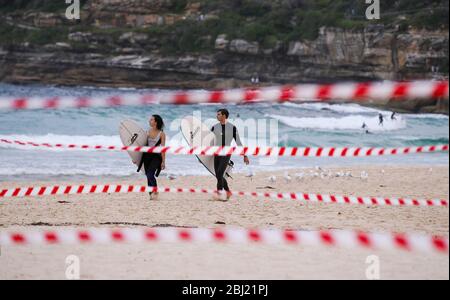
225,133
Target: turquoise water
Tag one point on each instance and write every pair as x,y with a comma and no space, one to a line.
311,124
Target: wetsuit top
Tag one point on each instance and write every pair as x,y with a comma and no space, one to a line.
153,142
225,134
147,158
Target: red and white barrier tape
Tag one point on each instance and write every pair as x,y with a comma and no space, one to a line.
250,151
112,188
304,92
346,239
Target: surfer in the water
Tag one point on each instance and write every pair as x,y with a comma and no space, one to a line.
154,162
381,119
225,132
364,127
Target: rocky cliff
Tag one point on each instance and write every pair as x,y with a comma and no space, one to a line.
121,43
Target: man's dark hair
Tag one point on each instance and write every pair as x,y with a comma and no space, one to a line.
224,111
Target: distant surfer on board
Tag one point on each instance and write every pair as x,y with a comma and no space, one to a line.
154,163
393,118
225,132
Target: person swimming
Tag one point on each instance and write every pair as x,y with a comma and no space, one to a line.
225,133
365,128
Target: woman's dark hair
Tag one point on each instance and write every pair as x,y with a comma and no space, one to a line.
159,122
224,111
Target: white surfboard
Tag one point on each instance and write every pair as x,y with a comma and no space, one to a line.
197,134
132,134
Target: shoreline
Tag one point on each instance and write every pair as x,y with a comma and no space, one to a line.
129,178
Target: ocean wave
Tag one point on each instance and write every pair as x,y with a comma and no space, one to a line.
340,108
352,108
345,123
426,116
408,141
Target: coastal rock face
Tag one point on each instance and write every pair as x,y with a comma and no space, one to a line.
132,56
117,7
45,20
244,47
376,53
221,42
140,13
133,38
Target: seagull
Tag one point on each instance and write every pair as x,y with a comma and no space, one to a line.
272,178
171,176
287,178
313,174
250,173
299,176
323,175
364,175
317,168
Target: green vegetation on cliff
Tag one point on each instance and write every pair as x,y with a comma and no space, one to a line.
10,35
269,22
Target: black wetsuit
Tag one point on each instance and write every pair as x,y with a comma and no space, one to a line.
224,135
152,165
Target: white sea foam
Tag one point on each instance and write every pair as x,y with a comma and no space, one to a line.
344,123
340,108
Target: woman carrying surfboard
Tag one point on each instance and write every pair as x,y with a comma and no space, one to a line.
154,163
225,133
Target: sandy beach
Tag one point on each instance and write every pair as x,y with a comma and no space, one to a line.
200,261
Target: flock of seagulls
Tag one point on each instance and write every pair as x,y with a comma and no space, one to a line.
321,173
316,172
